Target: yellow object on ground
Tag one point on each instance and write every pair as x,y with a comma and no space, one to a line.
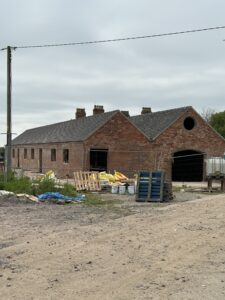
106,176
120,176
49,174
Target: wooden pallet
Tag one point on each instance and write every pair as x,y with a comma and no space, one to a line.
87,181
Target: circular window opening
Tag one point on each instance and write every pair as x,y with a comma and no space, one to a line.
189,123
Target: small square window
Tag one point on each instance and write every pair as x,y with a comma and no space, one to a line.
53,154
25,153
65,155
32,153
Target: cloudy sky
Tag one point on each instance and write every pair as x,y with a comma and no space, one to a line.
162,73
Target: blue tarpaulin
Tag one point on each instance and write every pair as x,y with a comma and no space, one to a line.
58,196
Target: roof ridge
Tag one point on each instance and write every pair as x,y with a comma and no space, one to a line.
162,111
72,120
153,124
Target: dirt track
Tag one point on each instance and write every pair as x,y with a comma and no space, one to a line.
77,252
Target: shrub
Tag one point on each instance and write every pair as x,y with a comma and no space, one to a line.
68,190
43,186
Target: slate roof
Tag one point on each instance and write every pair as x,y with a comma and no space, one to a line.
74,130
152,124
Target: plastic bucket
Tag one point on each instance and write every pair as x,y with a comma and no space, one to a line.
131,189
122,189
114,189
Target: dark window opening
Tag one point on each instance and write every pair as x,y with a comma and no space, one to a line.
65,155
25,153
187,166
53,154
13,153
32,153
189,123
98,159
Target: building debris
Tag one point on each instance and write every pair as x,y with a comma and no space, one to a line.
59,197
5,193
27,197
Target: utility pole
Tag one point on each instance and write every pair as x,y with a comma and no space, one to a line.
9,113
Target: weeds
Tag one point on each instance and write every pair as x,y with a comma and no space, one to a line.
18,185
42,186
35,187
96,200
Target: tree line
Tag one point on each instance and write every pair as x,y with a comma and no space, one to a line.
216,120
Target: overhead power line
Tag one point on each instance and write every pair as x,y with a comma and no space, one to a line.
117,39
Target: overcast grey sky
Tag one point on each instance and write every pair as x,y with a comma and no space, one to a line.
50,83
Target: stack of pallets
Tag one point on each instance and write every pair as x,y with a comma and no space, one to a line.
87,181
150,186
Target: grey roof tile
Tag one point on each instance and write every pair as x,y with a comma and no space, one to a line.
152,124
73,130
76,130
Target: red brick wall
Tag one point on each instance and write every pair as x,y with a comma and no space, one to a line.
201,138
128,149
60,168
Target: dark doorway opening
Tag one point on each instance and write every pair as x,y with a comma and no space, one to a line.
18,158
187,166
40,160
98,159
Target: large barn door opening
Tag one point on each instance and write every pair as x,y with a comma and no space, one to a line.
187,166
98,159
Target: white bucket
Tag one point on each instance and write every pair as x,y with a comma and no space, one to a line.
131,189
114,189
122,189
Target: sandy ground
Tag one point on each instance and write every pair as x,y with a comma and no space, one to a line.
124,251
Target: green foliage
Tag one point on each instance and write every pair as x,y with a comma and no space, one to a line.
217,121
43,186
19,185
34,187
68,190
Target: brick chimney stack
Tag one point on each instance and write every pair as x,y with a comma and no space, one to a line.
98,109
146,110
80,113
126,113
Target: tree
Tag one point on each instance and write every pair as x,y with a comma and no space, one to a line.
217,121
207,114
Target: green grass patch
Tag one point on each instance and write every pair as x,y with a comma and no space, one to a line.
35,187
18,185
96,200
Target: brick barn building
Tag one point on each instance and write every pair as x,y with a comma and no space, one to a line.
176,141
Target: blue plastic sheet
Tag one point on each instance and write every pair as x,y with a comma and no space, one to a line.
58,196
